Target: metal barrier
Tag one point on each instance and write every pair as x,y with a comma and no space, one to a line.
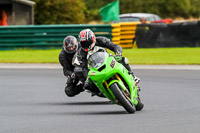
45,36
124,33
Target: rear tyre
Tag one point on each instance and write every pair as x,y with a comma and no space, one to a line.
123,100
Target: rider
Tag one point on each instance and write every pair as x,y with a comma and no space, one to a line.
70,46
91,44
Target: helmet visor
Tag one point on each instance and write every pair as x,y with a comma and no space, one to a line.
86,44
70,49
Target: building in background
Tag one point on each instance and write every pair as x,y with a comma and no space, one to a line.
16,12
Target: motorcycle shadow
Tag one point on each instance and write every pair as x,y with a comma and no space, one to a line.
74,103
94,112
88,103
114,112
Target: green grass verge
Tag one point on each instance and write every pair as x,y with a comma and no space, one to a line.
163,56
29,56
135,56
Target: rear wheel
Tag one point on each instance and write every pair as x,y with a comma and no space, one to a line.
123,100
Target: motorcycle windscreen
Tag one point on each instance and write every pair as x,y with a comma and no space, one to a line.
97,59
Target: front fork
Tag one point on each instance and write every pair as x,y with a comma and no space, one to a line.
130,94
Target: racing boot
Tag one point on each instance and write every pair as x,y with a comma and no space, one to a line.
92,88
137,80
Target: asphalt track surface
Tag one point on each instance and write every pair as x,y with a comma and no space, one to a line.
33,101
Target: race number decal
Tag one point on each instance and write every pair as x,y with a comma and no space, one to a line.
112,64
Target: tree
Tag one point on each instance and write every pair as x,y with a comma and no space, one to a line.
164,8
92,8
195,10
177,8
59,12
83,11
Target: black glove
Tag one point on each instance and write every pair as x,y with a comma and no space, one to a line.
118,57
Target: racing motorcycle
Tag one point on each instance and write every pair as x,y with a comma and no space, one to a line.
114,81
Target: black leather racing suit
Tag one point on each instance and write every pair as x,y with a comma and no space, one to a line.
100,42
72,87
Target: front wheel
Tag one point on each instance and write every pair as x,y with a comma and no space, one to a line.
139,106
123,100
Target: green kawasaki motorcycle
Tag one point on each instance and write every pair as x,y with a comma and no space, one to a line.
114,81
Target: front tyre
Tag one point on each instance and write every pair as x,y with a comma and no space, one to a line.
123,100
139,106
